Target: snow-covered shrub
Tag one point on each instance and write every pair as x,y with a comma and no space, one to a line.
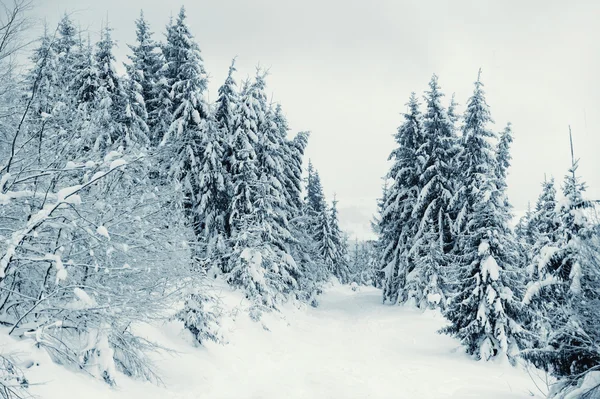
200,316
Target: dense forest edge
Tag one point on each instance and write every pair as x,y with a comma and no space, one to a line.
123,197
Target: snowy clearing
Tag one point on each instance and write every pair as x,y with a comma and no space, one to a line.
351,346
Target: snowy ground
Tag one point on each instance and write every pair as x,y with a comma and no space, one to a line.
349,347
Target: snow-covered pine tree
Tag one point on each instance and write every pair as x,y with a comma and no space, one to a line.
304,249
452,112
340,264
135,116
540,228
538,233
109,112
244,164
272,158
65,47
484,311
319,219
261,262
379,244
432,208
146,64
225,110
43,77
315,199
86,82
324,238
226,104
213,199
181,153
566,287
397,226
292,163
186,78
524,229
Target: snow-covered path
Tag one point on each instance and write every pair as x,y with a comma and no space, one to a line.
349,347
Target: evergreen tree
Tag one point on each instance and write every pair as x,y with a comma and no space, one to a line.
109,112
485,313
87,80
292,168
324,238
432,208
315,199
186,78
244,164
261,261
136,115
397,226
524,228
225,116
340,245
43,77
539,236
65,47
213,199
225,107
146,63
452,114
566,288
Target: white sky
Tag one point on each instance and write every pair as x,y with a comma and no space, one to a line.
345,69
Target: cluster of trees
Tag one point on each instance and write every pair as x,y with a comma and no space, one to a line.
118,194
445,242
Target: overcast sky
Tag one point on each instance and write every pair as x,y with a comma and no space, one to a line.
344,69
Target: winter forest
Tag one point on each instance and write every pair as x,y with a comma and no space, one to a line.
157,243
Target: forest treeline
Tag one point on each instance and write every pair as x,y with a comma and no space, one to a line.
123,195
445,241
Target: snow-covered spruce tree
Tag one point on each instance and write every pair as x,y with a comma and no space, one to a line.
66,48
539,234
225,113
244,165
452,113
576,357
485,312
379,244
340,265
160,116
245,265
320,223
324,238
187,80
525,228
304,249
135,116
181,153
109,112
363,262
566,288
315,199
43,75
292,163
212,205
272,158
432,210
146,64
541,229
225,116
397,226
86,81
261,262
